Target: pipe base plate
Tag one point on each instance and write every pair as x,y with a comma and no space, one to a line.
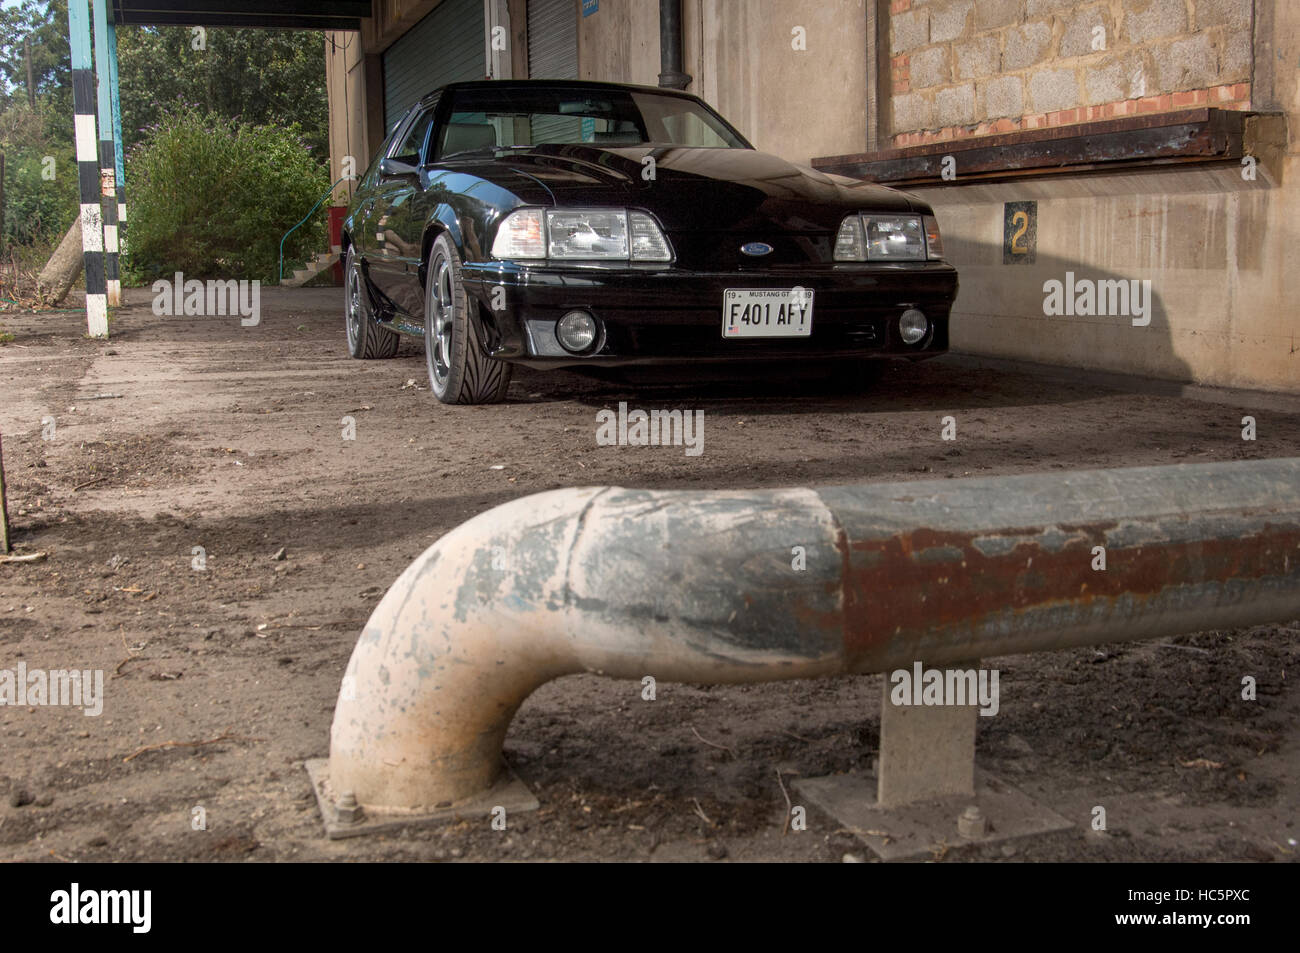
926,830
509,792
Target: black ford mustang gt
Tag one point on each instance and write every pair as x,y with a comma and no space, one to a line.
558,224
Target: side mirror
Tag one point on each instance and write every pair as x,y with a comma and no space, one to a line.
396,169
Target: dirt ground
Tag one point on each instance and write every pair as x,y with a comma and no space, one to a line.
230,439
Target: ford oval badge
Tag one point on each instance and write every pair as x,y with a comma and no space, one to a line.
756,248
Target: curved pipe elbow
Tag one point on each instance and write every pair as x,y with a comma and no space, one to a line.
626,583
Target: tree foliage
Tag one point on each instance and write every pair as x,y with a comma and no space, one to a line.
40,174
37,30
265,77
272,81
40,180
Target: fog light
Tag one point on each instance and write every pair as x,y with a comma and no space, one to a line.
576,331
913,326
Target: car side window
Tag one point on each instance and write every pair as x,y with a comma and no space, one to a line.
411,149
467,132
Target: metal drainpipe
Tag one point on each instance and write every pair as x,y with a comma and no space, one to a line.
703,587
670,45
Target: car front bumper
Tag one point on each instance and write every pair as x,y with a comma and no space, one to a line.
661,314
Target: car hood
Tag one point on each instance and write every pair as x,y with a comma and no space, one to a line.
693,190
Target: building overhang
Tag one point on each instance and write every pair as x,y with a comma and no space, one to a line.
294,14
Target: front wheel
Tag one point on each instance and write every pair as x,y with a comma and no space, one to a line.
459,371
367,339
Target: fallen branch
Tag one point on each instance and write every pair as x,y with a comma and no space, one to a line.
1202,763
788,806
82,486
188,744
117,672
700,812
712,744
5,545
1185,648
308,625
28,558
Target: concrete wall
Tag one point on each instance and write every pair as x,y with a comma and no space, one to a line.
798,103
795,102
345,84
971,67
620,43
1218,250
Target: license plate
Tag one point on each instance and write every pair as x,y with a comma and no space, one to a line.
767,312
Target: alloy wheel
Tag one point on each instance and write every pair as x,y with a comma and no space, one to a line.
444,315
355,313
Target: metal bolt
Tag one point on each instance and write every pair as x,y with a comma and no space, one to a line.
972,823
348,811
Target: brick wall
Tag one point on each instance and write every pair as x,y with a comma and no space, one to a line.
973,67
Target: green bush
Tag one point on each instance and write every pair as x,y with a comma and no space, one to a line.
211,197
40,195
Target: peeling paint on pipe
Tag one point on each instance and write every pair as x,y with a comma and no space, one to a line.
700,587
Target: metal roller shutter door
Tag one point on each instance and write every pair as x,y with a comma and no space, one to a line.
552,39
445,47
553,54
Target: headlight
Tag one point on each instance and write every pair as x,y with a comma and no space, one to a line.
933,240
887,238
587,234
894,238
581,235
520,235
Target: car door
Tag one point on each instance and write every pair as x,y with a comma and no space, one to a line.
395,221
363,217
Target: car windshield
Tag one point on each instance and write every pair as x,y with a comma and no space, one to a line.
515,117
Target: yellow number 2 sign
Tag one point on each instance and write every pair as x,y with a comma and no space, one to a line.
1019,233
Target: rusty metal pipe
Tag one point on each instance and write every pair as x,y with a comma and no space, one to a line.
706,587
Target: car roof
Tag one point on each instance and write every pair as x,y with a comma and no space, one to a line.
562,83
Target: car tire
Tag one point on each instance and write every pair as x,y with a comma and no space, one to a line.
459,370
367,339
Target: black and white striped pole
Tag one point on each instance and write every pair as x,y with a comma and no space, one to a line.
107,155
92,219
